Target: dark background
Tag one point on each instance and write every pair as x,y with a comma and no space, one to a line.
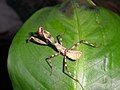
13,13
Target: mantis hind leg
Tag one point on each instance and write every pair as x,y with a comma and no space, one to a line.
83,42
68,73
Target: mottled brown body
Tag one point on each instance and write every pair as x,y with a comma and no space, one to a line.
72,54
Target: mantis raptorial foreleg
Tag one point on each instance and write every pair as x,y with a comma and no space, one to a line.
36,40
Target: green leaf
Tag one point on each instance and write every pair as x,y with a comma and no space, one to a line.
97,69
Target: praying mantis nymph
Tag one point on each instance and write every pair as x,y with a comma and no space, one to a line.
43,37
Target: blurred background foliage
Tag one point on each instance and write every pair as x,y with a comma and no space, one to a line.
25,8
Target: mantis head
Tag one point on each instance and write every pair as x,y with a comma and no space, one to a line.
45,34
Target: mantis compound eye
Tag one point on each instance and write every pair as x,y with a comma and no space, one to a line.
40,31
